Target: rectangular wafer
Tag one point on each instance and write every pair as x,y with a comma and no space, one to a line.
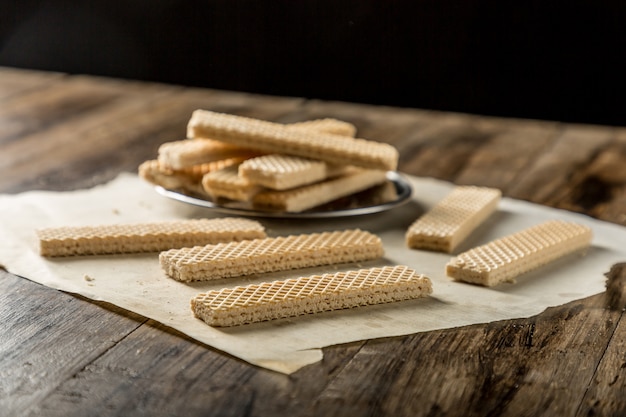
504,259
186,153
144,237
226,183
258,256
313,195
186,179
452,219
283,172
277,138
308,295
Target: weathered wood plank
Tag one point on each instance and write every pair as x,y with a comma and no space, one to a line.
136,124
171,374
64,101
547,180
166,372
605,395
47,336
512,368
599,188
443,148
507,155
17,81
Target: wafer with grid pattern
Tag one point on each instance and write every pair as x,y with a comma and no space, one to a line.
186,153
283,172
186,179
504,259
307,295
227,183
144,237
309,196
277,138
452,219
270,254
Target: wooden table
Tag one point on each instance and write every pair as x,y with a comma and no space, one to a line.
64,355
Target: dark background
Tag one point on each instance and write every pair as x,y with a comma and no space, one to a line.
536,59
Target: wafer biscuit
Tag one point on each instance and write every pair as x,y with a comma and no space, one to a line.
308,295
504,259
309,196
453,219
226,183
277,138
258,256
144,237
154,172
328,125
185,153
187,179
282,172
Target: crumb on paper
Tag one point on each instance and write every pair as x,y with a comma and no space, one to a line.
88,278
116,211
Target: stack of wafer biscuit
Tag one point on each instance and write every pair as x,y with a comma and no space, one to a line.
270,166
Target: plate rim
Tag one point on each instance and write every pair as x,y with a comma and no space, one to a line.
403,187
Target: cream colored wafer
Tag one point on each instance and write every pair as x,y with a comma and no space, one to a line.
226,183
187,179
283,172
328,125
185,153
144,237
453,219
181,154
308,295
504,259
154,172
309,196
258,256
277,138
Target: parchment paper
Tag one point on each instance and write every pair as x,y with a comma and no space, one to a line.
136,282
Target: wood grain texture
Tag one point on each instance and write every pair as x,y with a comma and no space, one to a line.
62,355
47,336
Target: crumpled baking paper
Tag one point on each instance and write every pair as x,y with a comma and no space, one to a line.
137,283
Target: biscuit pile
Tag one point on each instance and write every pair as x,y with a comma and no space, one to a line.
270,166
293,168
